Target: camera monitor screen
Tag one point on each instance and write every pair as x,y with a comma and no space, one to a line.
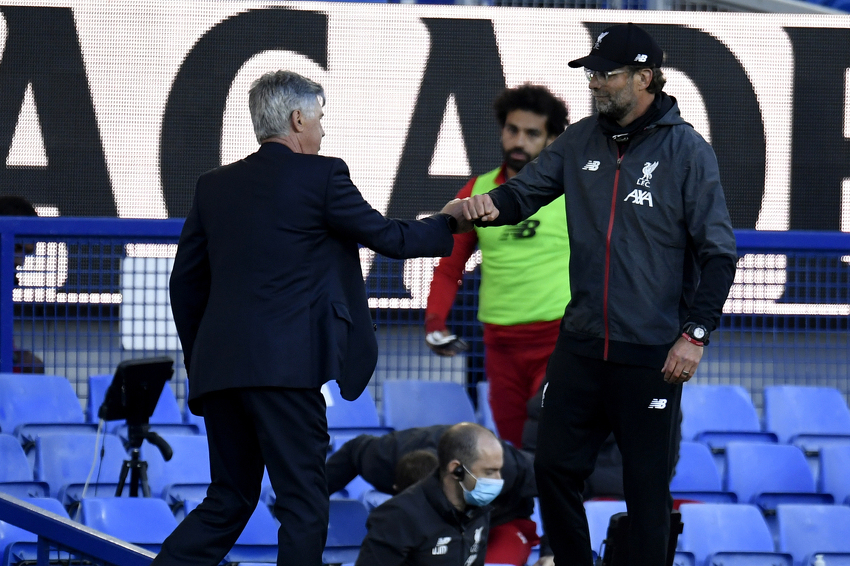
135,389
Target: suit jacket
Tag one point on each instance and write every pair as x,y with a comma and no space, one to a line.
267,289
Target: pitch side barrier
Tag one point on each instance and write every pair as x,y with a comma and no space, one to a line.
71,541
88,293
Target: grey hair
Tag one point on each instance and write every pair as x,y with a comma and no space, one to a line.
275,96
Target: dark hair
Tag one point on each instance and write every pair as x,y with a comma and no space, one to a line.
413,467
658,81
16,206
460,442
537,99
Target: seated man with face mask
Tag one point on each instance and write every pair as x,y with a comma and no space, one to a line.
444,519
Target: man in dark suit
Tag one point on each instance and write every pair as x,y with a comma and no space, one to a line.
269,303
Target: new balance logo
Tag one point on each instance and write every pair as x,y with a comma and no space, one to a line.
599,39
640,197
641,58
591,166
525,229
442,546
657,404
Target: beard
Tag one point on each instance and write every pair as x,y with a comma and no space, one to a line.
513,162
615,106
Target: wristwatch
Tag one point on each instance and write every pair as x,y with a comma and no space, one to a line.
695,333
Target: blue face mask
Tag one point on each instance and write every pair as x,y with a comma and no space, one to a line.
484,492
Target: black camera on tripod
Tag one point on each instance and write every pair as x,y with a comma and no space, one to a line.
133,395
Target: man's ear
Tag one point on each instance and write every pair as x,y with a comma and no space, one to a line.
645,77
455,469
296,121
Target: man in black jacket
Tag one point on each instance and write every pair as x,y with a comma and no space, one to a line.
652,258
269,303
444,519
375,458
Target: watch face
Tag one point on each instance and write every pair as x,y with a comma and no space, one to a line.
699,332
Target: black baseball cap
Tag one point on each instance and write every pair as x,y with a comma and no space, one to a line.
621,45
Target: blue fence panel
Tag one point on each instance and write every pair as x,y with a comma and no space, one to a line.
81,295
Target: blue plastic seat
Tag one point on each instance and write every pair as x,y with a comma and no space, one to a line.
834,475
809,417
728,535
599,515
808,530
16,477
411,403
485,413
346,531
717,414
258,541
347,419
768,474
167,418
64,461
372,498
32,404
697,477
143,521
186,475
18,545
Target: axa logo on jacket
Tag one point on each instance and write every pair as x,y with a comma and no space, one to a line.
640,197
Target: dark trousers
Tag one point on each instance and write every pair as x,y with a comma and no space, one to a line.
248,429
584,401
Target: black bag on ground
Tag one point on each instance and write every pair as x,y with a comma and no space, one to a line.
616,543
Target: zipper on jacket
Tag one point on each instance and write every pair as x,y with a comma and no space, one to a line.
620,153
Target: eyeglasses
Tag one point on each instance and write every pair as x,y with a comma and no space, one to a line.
602,76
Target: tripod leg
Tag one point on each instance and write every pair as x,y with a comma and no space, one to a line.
134,479
143,475
122,478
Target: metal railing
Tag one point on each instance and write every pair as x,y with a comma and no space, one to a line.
90,293
67,541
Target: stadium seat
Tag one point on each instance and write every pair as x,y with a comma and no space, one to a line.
18,545
167,418
355,488
16,477
31,404
485,413
768,474
599,514
834,475
185,476
809,530
728,535
717,414
258,542
697,477
346,531
347,419
143,521
412,403
190,418
809,417
64,461
371,498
